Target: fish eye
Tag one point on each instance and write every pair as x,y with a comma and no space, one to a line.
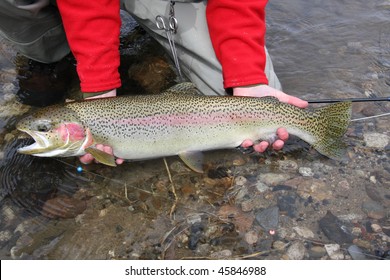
43,127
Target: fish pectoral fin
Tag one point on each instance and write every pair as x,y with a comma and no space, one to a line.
193,160
101,156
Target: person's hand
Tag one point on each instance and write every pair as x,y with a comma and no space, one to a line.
265,90
88,158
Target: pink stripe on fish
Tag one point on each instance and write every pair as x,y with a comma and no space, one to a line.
186,119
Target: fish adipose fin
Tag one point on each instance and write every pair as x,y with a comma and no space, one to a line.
101,156
333,121
183,88
193,160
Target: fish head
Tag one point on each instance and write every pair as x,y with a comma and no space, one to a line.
56,131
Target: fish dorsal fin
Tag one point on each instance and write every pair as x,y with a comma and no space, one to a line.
183,88
101,156
193,160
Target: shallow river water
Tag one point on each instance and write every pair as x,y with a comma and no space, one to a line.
293,204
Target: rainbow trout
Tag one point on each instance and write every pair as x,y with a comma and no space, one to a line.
179,121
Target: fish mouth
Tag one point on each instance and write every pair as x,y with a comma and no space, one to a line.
41,144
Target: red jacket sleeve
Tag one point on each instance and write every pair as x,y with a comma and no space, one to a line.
237,32
92,29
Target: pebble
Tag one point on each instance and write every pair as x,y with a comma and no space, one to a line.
251,237
306,171
344,185
196,232
279,245
363,243
351,217
321,168
376,140
333,251
193,219
356,253
8,214
304,232
261,187
203,249
268,218
373,210
8,137
317,252
238,161
287,165
273,179
314,188
373,193
241,195
224,254
356,231
5,235
376,228
360,173
240,180
296,251
253,203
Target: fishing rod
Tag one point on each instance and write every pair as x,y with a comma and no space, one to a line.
373,99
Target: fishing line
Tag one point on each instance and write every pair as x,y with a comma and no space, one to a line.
371,117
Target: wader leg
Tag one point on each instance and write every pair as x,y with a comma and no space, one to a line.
35,30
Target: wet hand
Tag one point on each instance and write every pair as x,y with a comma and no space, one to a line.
88,158
265,90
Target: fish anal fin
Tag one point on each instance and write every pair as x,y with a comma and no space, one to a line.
193,160
101,156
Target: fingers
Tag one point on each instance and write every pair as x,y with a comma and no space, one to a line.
296,101
278,144
88,158
282,134
265,90
261,147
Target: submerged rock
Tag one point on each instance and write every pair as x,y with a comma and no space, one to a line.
306,171
296,251
63,207
304,232
373,209
273,179
317,252
268,218
376,140
356,253
334,252
335,229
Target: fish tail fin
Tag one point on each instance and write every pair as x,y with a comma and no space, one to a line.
332,123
